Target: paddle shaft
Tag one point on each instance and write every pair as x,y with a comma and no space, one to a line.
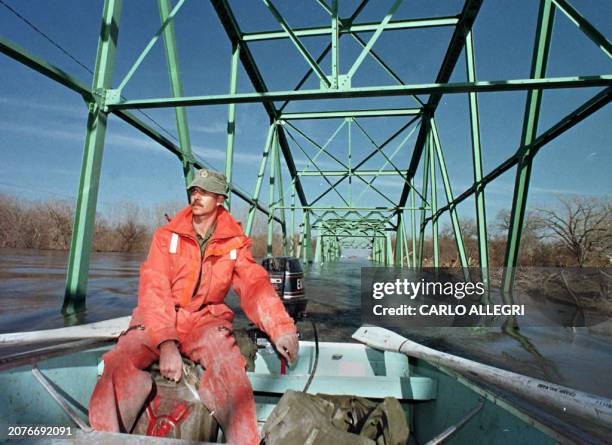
101,330
565,399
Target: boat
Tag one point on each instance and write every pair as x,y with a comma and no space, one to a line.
445,398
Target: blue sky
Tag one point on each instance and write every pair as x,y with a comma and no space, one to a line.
42,124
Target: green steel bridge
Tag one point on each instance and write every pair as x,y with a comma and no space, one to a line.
394,229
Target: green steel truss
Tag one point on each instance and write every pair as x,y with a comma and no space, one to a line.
394,230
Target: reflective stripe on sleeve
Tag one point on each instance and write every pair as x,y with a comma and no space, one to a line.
174,243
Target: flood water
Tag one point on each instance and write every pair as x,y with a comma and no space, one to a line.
32,286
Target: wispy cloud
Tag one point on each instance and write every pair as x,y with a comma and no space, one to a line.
322,164
42,106
41,132
124,141
393,183
26,169
130,142
211,128
113,138
217,154
561,191
507,189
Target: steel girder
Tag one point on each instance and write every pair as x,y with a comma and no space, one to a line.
479,196
235,35
353,28
530,125
85,212
434,89
176,84
463,27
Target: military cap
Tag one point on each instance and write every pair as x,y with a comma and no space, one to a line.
211,181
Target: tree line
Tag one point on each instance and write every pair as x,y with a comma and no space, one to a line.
577,231
48,225
126,227
557,244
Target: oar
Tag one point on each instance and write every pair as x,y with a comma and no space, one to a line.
564,399
102,330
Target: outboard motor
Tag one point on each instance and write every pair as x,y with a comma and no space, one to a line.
287,277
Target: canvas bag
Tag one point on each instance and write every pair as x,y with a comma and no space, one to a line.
301,418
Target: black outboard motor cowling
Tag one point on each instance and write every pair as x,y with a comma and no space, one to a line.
287,277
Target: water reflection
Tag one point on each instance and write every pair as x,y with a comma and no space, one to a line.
32,288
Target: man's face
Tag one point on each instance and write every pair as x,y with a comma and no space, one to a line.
203,202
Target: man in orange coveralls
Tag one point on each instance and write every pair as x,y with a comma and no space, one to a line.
193,261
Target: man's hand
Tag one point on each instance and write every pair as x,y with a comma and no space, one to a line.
287,345
170,361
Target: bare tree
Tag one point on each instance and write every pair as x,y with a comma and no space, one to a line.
532,249
533,224
583,226
59,217
448,244
9,222
132,232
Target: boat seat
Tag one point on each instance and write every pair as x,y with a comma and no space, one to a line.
403,388
343,369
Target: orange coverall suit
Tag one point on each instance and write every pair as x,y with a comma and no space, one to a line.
170,308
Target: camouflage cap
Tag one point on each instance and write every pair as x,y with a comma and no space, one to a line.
211,181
